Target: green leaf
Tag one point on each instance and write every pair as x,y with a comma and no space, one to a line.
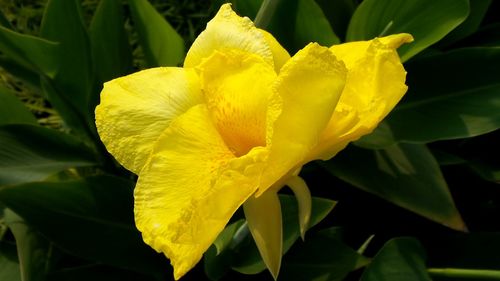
9,265
217,259
63,23
35,53
72,118
30,153
338,13
424,19
91,218
162,45
399,259
28,76
406,175
12,110
32,249
478,9
111,50
320,258
248,260
299,22
451,95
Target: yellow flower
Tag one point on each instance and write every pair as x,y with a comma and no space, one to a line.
235,125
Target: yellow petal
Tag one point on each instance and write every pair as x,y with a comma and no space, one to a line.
227,31
375,84
309,84
352,52
304,200
190,188
237,88
135,109
263,215
280,55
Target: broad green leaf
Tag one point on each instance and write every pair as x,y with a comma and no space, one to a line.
91,218
110,47
298,22
320,258
12,110
30,153
478,9
35,53
399,259
338,13
217,259
406,175
451,95
32,249
424,19
248,260
162,45
9,265
28,76
63,23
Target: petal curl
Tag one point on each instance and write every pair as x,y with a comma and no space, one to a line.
375,84
310,84
237,87
190,188
135,109
228,31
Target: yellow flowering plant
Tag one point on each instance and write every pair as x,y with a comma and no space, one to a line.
235,124
235,155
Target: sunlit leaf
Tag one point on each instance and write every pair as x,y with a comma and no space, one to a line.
399,259
424,19
406,175
12,110
161,44
248,259
90,218
30,153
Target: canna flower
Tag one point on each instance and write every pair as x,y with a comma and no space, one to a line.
235,125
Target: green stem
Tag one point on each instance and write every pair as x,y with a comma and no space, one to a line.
484,274
266,13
